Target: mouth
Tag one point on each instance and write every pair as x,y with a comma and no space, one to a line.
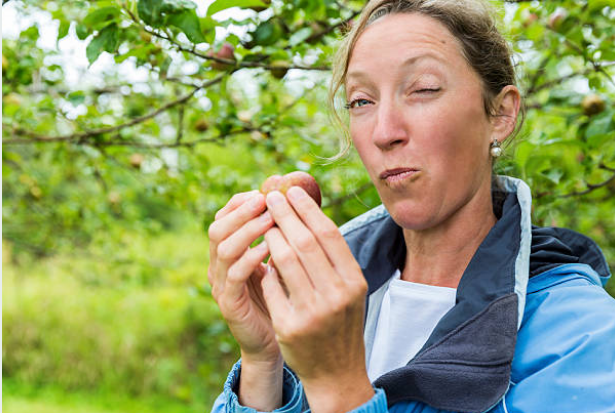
398,174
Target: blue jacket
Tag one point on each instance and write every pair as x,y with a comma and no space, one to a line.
532,329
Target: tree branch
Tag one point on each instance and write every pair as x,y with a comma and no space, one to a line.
230,63
539,70
590,187
597,66
180,124
130,143
319,35
81,137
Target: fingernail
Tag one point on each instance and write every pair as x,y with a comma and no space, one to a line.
295,193
274,198
266,217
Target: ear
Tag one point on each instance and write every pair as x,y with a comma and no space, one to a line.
507,105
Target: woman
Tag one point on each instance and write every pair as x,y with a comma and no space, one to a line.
444,298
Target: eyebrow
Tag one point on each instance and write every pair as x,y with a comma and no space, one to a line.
411,61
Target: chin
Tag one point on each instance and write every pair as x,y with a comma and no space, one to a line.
412,217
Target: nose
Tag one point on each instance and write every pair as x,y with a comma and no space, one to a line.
391,129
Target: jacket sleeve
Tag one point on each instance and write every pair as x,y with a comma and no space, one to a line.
228,402
565,356
294,400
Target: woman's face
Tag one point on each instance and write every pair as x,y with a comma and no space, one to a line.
417,119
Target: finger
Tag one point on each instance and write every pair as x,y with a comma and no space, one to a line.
241,220
236,201
277,302
232,249
326,232
242,269
230,222
288,266
236,243
303,241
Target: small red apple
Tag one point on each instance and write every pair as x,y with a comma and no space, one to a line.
531,18
201,125
136,159
278,68
226,52
556,18
296,178
592,105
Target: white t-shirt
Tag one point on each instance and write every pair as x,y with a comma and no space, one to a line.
408,315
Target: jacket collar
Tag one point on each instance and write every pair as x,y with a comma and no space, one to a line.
466,363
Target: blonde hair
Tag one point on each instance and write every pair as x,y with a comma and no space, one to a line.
472,22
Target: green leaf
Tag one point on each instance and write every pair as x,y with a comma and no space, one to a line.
176,6
595,82
178,13
599,127
267,33
554,175
76,98
31,33
100,17
82,31
188,22
299,36
63,29
106,40
598,4
150,11
208,28
220,5
141,53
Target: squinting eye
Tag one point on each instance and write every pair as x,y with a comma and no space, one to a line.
357,103
428,90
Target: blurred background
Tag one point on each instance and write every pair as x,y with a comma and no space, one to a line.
126,124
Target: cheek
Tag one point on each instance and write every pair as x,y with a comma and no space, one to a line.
360,136
457,139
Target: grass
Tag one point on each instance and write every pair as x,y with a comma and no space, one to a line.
25,398
117,327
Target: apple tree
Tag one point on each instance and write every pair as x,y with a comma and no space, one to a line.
147,114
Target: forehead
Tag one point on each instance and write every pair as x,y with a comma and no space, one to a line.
396,38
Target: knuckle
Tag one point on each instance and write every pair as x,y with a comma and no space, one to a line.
215,232
358,286
215,293
224,253
306,243
233,274
330,232
236,199
362,287
339,304
285,257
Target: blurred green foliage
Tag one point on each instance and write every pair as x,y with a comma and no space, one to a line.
115,161
130,317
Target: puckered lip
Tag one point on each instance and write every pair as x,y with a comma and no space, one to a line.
396,171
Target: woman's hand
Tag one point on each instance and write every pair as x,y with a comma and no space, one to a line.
318,306
235,273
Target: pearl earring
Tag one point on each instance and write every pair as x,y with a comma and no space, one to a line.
495,149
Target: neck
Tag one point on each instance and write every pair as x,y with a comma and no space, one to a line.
440,255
